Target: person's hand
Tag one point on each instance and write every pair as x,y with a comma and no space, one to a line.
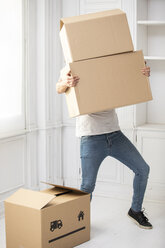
146,70
71,81
67,79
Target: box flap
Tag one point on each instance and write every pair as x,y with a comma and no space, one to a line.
56,191
101,14
65,187
30,198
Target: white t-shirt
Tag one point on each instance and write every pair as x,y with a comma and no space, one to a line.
97,123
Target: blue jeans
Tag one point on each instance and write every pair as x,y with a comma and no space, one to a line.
95,148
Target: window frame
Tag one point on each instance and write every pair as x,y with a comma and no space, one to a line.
16,124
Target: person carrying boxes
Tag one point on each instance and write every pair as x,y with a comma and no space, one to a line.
98,49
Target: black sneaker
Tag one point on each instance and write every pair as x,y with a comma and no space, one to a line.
140,219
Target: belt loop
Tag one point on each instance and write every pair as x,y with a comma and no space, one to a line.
109,141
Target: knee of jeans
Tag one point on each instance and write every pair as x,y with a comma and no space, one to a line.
88,185
145,170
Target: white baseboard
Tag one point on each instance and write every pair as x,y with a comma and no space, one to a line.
74,183
124,191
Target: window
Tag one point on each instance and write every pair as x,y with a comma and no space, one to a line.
12,114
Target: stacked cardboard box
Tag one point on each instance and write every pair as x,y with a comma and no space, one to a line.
98,48
55,217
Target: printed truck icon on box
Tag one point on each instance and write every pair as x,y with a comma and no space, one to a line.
55,224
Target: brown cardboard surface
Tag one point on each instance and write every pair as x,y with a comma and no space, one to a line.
74,230
64,198
94,35
30,198
56,191
64,187
62,222
23,226
108,82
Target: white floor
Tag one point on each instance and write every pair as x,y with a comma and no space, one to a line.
111,228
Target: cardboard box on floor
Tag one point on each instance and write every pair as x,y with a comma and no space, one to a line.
94,35
107,82
56,217
100,48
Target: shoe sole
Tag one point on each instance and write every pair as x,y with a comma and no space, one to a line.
144,227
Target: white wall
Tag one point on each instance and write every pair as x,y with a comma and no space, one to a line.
34,154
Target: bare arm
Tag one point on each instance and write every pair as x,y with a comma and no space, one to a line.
61,87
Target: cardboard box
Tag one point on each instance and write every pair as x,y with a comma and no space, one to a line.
56,217
94,35
108,82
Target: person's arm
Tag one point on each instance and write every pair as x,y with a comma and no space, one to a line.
66,81
146,70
